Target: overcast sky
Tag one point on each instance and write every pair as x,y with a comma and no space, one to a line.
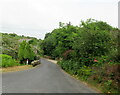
37,17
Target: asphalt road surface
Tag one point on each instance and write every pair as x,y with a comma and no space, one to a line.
45,78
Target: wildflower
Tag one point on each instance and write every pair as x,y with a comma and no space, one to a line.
95,60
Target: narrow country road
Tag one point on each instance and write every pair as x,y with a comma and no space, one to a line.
45,78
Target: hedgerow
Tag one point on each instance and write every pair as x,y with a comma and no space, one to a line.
90,51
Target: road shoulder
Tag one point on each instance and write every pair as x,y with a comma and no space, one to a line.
16,68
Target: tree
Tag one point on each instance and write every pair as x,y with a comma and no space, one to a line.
47,35
93,38
13,34
25,52
60,40
92,43
21,50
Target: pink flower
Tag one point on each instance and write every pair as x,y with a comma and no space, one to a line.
95,60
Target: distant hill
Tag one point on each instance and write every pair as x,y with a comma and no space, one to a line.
10,44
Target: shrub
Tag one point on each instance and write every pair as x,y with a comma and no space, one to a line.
84,72
69,54
7,61
114,56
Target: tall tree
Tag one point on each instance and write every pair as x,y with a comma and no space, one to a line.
21,50
25,52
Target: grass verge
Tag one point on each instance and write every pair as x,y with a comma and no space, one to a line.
16,68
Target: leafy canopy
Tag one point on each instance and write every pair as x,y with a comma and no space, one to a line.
25,51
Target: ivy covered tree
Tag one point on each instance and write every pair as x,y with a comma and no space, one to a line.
25,53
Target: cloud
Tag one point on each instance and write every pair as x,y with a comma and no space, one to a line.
37,17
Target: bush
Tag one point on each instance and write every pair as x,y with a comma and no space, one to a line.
101,72
7,61
114,56
69,54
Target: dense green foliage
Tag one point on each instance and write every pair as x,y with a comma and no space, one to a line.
10,44
89,51
7,61
59,41
92,38
98,74
25,52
